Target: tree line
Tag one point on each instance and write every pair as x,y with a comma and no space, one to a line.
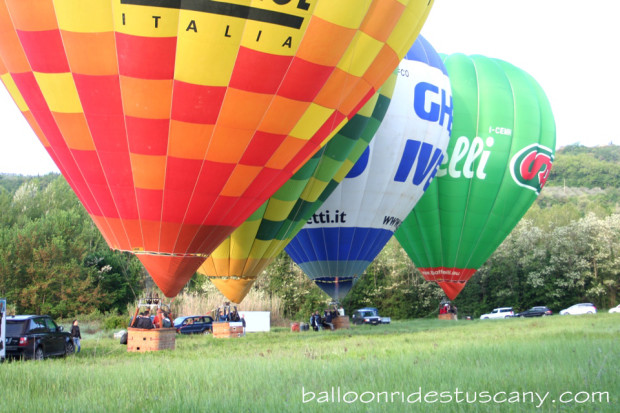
54,261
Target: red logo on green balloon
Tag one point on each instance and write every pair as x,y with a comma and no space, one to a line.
530,166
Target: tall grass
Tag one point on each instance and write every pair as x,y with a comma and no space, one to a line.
266,372
206,302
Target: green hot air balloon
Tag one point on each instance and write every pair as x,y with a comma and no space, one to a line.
499,158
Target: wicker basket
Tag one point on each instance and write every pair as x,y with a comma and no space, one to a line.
140,339
341,322
227,329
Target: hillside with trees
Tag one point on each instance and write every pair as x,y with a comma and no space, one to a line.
565,250
583,167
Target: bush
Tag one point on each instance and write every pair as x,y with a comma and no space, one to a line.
93,316
115,322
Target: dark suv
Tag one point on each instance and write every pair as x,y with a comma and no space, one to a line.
36,337
366,316
369,315
194,324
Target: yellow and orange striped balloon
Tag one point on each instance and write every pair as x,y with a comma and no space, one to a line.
174,120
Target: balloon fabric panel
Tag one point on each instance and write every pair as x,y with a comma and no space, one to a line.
174,121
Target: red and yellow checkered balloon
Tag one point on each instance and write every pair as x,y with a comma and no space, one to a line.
174,120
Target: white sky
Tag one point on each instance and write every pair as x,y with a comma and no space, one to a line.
568,46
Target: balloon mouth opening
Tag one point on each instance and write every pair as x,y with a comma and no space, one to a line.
452,288
233,288
171,271
333,280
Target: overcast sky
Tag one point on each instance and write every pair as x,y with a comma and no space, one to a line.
568,46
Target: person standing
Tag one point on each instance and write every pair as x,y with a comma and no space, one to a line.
315,321
76,336
327,319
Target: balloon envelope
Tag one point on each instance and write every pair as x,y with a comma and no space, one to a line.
499,158
174,121
348,231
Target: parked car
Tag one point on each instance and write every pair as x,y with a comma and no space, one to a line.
581,308
384,320
616,309
365,317
36,337
539,311
501,312
369,315
194,324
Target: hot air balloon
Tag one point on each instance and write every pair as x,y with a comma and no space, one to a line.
349,230
237,262
499,158
174,121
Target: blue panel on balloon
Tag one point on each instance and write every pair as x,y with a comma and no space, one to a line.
332,244
422,51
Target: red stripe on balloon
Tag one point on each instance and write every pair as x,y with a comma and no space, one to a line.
146,57
148,136
262,146
44,51
195,103
304,80
259,72
447,274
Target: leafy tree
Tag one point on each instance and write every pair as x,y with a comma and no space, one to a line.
120,276
580,166
52,258
286,280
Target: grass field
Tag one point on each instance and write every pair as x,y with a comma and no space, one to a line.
506,365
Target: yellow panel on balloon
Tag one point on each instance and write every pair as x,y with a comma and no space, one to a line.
221,252
403,35
360,54
310,122
92,16
346,13
141,20
314,188
242,239
198,50
259,247
59,92
10,85
277,209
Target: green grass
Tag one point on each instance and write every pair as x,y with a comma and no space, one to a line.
267,371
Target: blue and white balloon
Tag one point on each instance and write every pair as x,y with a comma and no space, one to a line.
349,230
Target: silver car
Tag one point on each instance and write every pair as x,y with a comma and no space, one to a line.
501,312
581,308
